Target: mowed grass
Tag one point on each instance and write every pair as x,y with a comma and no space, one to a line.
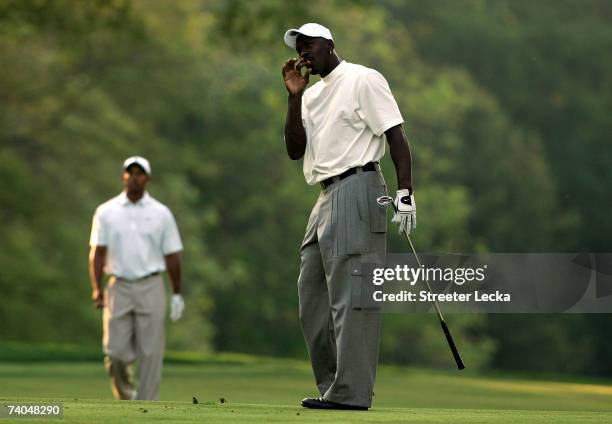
99,411
240,388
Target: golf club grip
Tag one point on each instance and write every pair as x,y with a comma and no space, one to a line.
451,344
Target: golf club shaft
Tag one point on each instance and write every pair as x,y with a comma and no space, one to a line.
426,282
447,333
385,200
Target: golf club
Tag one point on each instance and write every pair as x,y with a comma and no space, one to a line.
385,201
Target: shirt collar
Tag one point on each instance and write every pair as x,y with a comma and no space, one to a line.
124,200
334,74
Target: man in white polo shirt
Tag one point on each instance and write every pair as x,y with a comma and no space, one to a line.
339,126
134,238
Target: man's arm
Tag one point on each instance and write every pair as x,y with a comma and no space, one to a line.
97,258
295,135
173,265
400,153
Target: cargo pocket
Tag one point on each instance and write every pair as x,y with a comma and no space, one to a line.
362,287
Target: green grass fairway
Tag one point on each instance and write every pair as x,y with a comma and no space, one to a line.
99,411
268,390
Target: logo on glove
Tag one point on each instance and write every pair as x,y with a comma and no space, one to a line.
406,200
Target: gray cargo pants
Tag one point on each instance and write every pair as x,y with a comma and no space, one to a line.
341,325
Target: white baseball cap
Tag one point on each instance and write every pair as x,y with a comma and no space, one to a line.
138,160
309,30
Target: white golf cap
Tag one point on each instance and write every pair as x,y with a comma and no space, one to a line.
138,160
309,30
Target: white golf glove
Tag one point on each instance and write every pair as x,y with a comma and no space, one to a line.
405,208
177,306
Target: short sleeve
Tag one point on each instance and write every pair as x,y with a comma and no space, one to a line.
377,104
171,242
99,233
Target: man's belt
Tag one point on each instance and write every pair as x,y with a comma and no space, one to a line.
367,167
153,274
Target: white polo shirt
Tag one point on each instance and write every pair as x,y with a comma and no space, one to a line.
137,235
345,116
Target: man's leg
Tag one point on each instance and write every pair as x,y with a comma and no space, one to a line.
118,339
357,333
315,317
150,334
352,234
122,377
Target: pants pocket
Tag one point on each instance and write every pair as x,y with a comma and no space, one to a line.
362,287
311,228
351,229
376,212
356,214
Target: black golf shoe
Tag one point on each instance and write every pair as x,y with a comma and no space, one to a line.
320,403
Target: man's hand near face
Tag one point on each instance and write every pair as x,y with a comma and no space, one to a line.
295,82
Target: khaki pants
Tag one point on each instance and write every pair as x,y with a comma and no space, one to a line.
341,325
133,328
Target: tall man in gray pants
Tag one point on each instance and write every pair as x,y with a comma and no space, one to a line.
338,126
